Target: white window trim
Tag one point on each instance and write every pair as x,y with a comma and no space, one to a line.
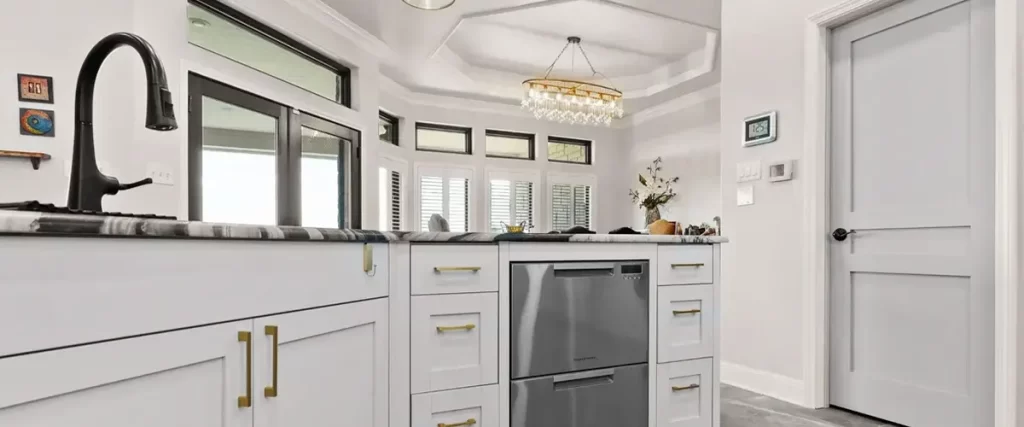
402,167
445,171
570,179
533,176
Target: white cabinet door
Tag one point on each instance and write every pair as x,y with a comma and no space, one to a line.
685,391
454,341
329,367
467,407
193,377
685,322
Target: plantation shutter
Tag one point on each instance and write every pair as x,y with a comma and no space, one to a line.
523,210
570,206
501,199
458,204
431,199
396,201
581,206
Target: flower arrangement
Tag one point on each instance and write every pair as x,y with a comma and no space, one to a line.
655,191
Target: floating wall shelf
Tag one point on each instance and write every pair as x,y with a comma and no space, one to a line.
32,156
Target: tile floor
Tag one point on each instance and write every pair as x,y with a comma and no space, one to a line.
742,408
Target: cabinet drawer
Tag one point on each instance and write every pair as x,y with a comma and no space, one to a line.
468,407
454,341
685,322
685,390
685,264
453,269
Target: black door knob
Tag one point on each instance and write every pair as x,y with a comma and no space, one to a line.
841,234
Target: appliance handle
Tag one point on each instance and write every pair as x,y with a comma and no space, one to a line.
583,379
584,269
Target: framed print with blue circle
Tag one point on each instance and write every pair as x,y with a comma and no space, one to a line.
759,129
36,122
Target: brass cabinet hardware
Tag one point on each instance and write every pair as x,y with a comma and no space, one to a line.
693,265
271,391
682,312
469,422
466,327
246,400
454,269
689,387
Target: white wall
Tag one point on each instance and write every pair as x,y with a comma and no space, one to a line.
688,142
610,195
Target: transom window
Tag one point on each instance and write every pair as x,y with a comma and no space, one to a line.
387,128
567,150
510,145
444,138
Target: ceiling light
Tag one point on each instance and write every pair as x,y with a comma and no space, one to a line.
199,22
572,101
429,4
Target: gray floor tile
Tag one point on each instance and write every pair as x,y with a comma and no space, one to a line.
742,408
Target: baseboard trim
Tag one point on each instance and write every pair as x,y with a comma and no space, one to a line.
763,382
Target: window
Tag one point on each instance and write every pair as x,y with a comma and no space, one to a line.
228,33
446,139
510,145
253,161
445,192
387,128
390,200
565,150
511,202
570,206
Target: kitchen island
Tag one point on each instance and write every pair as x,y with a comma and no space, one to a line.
121,321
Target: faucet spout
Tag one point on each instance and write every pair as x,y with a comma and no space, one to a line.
88,185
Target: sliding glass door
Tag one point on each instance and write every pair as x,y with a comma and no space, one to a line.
254,161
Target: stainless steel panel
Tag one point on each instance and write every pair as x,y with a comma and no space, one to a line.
570,317
606,397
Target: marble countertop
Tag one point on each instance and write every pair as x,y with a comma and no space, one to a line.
35,223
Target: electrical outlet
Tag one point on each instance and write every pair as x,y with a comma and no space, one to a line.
161,175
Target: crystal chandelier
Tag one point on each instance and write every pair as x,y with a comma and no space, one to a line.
572,101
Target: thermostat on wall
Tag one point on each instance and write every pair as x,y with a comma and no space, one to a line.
759,129
780,171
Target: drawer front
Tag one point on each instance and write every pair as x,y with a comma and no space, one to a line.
685,264
454,269
685,390
612,397
685,322
454,341
468,407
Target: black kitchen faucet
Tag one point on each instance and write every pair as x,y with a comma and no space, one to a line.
88,184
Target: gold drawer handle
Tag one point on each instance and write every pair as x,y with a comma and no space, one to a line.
689,387
689,265
468,422
466,327
271,391
455,269
682,312
246,400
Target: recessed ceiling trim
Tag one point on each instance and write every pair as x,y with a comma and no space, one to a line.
351,31
648,12
492,12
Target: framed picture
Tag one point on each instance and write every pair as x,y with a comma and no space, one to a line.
35,122
35,88
759,129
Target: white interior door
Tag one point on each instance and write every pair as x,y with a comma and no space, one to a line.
912,174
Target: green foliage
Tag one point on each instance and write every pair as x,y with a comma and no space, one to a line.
655,190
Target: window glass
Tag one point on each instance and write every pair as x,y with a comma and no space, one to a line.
387,128
517,146
321,157
569,150
447,139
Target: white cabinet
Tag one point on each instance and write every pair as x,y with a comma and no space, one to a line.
329,367
454,341
467,407
685,322
452,269
685,264
191,377
685,391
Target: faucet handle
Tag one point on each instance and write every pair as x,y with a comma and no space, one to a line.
131,185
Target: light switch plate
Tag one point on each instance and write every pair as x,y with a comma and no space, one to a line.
744,195
748,171
160,174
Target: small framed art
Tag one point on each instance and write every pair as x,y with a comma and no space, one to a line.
35,88
36,122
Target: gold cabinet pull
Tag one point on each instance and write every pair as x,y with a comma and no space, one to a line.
469,422
689,265
455,269
689,387
682,312
271,391
466,327
245,401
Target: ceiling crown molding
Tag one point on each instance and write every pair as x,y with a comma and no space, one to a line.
344,27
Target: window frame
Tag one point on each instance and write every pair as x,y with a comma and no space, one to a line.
393,120
508,134
514,176
588,145
287,153
344,95
570,179
467,131
445,172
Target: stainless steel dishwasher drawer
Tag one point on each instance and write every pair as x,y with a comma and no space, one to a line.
613,397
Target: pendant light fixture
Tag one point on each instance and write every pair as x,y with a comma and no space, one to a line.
429,4
572,101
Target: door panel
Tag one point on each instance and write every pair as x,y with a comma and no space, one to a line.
185,378
912,162
331,367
